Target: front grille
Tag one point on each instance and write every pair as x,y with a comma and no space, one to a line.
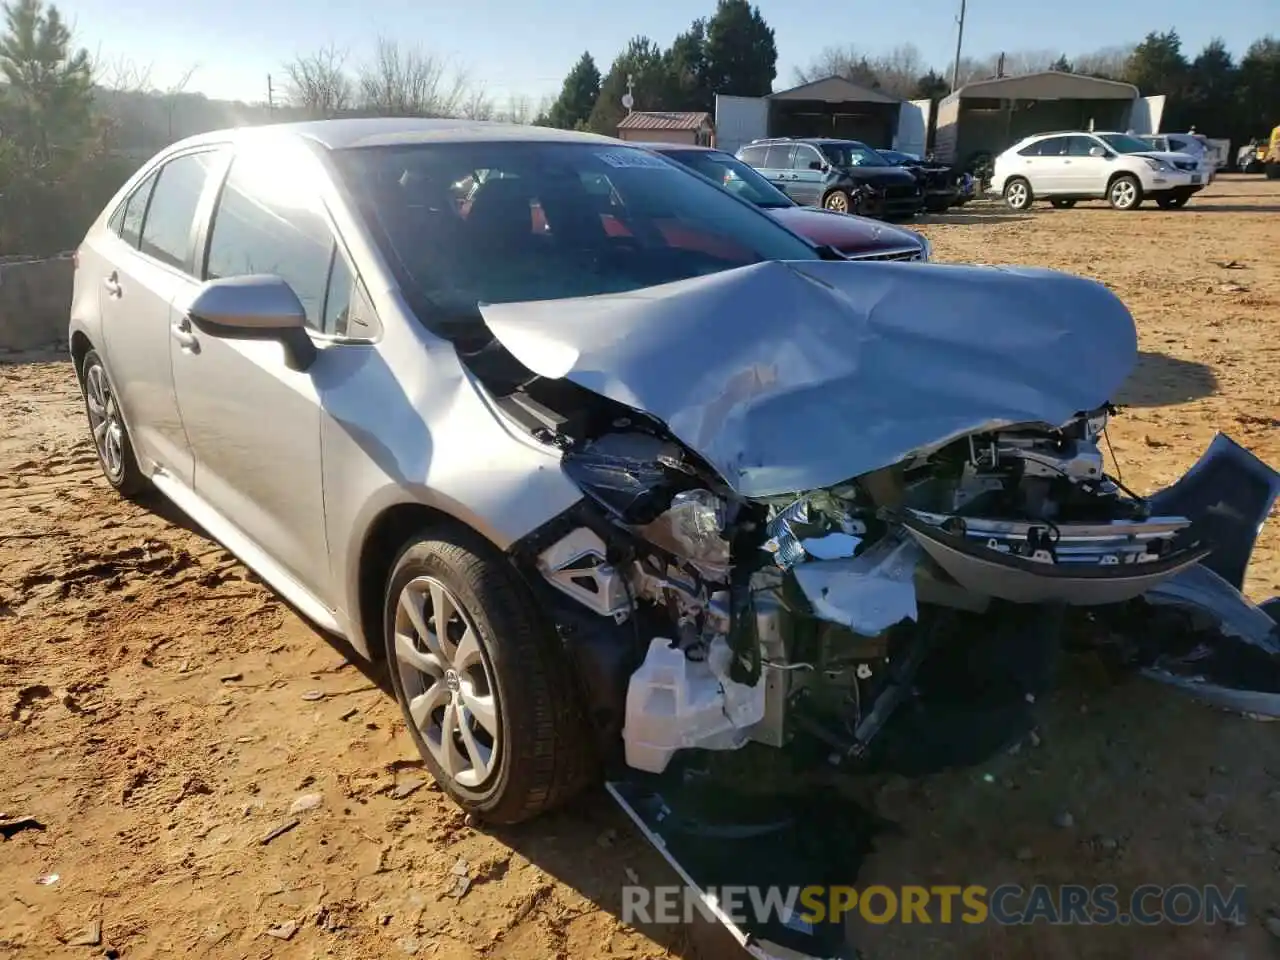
885,255
902,192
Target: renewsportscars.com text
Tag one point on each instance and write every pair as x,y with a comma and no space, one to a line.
1068,904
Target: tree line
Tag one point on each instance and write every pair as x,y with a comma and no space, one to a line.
733,52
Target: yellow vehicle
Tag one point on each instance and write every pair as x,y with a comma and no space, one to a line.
1272,160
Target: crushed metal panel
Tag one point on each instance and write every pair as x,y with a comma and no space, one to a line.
1229,492
889,358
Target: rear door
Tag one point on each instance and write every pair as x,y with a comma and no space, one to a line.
253,423
807,167
150,254
1043,165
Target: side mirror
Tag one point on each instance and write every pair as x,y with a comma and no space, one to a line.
259,307
817,165
1097,152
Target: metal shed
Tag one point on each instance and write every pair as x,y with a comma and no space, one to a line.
834,107
985,117
830,107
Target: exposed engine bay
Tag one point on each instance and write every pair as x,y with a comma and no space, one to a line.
807,614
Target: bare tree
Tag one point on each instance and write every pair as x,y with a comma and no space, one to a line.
319,83
522,110
1106,62
121,75
409,83
475,103
847,61
173,92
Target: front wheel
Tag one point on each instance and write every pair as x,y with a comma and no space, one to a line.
106,424
837,201
485,689
1017,194
1125,193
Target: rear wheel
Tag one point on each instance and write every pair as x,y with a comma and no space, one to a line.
485,689
1125,193
1062,204
106,424
1273,171
1017,194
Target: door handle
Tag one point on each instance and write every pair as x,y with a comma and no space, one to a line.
180,330
112,283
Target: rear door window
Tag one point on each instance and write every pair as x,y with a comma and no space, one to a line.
1055,147
754,156
778,156
168,229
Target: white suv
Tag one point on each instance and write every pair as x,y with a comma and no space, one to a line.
1066,167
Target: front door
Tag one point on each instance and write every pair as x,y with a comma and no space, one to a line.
146,264
1085,174
809,171
252,422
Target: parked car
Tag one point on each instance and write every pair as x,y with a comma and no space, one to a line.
941,186
858,238
1064,168
1192,144
836,174
616,474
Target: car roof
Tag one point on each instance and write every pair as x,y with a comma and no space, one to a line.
387,131
663,147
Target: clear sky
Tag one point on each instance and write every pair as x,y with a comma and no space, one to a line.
518,47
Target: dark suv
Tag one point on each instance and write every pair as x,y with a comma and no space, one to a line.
842,175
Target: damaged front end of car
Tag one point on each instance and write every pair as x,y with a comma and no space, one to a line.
832,521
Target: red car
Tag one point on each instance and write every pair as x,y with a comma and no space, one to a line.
858,238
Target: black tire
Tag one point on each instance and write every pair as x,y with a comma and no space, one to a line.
1124,192
544,754
1017,194
1172,202
1273,171
114,447
839,201
1062,204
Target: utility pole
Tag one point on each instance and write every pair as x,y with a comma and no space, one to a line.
955,67
271,96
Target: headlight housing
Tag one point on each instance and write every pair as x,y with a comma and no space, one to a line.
1157,165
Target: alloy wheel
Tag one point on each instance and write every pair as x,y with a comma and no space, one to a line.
105,422
838,202
1123,194
1017,195
447,682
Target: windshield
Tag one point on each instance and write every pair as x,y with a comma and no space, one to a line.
1123,143
548,221
853,154
734,175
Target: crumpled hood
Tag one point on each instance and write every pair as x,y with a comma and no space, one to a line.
795,376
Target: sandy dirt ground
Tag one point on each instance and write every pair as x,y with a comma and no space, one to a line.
214,778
